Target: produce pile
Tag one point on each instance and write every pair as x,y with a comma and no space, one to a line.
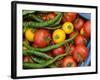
54,39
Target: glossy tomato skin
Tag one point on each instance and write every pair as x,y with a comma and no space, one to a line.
69,61
49,16
69,16
87,29
58,51
42,38
80,53
78,24
79,39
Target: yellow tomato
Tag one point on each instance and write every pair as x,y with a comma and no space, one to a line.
68,27
59,36
29,35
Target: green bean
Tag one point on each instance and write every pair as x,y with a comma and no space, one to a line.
37,60
27,65
52,28
36,53
52,66
42,24
57,22
48,48
24,12
24,29
43,12
34,17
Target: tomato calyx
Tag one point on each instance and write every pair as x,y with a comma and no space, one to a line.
69,64
56,37
47,39
76,21
69,27
79,57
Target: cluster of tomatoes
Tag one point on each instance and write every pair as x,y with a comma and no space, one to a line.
71,22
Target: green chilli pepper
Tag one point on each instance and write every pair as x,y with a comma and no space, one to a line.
42,24
48,48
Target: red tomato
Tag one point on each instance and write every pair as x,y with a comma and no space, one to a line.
34,45
63,20
87,29
78,23
80,53
49,16
69,16
26,58
58,51
69,61
79,39
42,38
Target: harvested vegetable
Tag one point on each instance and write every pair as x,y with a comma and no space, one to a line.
36,53
58,51
68,27
59,36
29,34
27,65
54,39
38,60
69,16
79,39
42,24
80,53
42,38
86,29
24,12
78,24
33,17
69,61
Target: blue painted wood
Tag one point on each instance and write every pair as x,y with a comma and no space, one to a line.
86,16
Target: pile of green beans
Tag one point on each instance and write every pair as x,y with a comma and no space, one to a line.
24,12
42,24
33,17
36,53
27,65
